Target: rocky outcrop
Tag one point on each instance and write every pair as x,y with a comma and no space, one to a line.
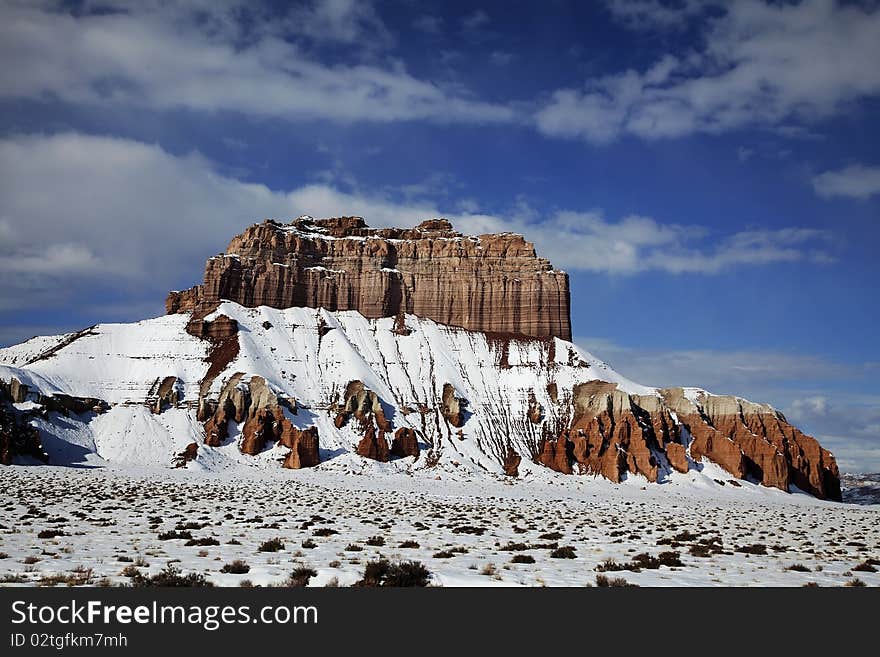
186,455
260,414
511,463
17,436
494,283
452,407
372,445
303,444
163,394
613,433
363,404
405,443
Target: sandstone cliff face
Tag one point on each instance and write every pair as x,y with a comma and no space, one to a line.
612,433
493,283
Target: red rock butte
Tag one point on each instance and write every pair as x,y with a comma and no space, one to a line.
493,283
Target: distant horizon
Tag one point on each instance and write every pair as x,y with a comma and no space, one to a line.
705,172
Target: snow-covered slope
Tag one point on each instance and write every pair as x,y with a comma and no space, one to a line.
123,363
154,391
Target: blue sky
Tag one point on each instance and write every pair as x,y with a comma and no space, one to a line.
706,172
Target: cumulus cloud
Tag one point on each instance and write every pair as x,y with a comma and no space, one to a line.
127,211
760,64
205,56
855,181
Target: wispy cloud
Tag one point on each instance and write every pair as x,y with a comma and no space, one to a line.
855,181
206,58
760,64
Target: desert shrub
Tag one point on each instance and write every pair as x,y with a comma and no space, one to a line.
190,525
409,544
865,567
309,544
643,560
324,531
565,552
237,567
700,551
202,542
515,547
130,571
757,548
523,558
855,582
550,536
669,559
300,577
171,576
444,554
272,545
403,574
798,567
51,533
353,547
603,581
469,529
610,565
173,534
375,541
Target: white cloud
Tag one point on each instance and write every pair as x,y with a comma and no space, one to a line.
760,64
855,181
475,20
201,57
652,14
344,21
134,215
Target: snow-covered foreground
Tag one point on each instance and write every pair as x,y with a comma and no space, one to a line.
467,530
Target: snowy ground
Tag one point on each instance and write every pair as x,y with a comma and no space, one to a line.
463,525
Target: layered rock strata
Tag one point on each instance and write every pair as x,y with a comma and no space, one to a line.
493,283
612,433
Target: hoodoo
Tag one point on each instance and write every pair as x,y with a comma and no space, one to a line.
492,283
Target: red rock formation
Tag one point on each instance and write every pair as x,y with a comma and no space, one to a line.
405,443
262,413
452,407
612,433
535,412
362,403
188,454
511,463
488,283
303,446
677,456
555,454
373,446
